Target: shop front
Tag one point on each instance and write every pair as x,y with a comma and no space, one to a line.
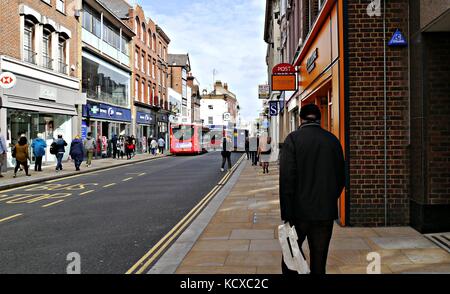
321,66
163,127
104,121
145,128
40,104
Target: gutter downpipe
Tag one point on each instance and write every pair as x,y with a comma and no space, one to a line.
385,117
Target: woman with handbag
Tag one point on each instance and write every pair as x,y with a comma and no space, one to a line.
264,152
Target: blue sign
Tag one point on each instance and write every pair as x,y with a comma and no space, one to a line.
83,130
398,40
145,118
105,111
273,108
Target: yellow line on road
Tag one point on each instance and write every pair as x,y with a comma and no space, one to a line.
53,203
127,179
155,251
10,217
87,192
110,185
17,188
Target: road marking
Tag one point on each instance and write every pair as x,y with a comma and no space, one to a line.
53,203
101,171
87,192
127,179
109,185
143,174
17,188
154,253
10,217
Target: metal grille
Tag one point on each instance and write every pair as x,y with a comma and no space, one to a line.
441,239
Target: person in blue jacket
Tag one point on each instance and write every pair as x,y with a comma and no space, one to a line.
77,152
39,146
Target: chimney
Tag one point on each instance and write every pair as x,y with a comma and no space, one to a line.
225,86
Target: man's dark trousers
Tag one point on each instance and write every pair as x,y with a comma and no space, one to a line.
319,236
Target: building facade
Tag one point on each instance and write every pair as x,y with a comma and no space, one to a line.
106,73
39,45
372,98
180,67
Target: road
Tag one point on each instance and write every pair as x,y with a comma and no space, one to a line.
111,218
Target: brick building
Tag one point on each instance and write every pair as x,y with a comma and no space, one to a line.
388,105
150,73
39,44
180,67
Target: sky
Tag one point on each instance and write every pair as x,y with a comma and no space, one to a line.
225,35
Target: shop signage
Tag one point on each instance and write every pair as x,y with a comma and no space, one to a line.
227,116
398,40
264,91
47,92
163,118
7,80
84,130
311,62
284,77
274,108
105,111
144,118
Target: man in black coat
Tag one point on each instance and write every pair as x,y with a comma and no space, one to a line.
312,177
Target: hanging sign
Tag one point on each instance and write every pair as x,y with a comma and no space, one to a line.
274,108
284,77
398,40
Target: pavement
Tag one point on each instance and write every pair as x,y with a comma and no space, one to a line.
110,217
237,234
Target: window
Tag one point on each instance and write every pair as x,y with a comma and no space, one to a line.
211,107
149,61
125,46
91,21
148,91
61,6
46,1
28,36
210,120
143,63
46,50
154,43
136,89
111,35
149,39
153,96
142,92
62,66
143,33
105,83
153,70
136,59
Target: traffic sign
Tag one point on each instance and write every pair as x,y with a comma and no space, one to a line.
7,80
398,39
227,116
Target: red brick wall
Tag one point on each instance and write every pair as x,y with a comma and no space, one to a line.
10,27
437,73
366,116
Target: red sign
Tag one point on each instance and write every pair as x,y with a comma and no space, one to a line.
284,69
7,80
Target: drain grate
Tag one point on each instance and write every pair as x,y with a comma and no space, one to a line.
441,239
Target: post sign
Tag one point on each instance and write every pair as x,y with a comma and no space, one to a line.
7,80
284,77
398,40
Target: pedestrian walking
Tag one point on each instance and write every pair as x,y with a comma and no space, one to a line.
161,145
3,154
121,147
59,147
247,147
133,145
254,151
39,146
154,146
312,177
22,156
77,152
226,153
149,144
129,147
264,153
89,146
114,146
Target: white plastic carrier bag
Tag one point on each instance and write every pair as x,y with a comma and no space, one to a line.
294,259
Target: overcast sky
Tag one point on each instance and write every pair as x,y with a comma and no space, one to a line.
226,35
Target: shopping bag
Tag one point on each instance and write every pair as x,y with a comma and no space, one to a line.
293,259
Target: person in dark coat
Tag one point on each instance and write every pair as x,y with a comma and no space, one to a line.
77,152
114,146
312,178
60,147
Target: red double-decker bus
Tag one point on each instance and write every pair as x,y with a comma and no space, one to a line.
187,139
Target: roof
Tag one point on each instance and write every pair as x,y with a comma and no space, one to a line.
119,7
179,60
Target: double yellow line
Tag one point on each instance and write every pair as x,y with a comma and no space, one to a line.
156,251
